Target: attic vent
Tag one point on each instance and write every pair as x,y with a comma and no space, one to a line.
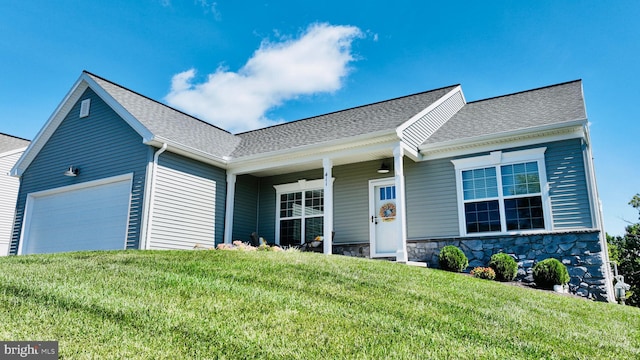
84,107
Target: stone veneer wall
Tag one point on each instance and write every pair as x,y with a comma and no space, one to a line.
580,252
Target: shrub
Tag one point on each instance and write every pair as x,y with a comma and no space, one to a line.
452,259
505,266
549,272
483,273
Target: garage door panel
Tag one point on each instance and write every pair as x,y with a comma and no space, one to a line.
90,218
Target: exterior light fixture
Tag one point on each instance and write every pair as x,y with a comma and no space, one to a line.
71,171
384,168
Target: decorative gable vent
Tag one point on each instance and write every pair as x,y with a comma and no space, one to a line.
84,107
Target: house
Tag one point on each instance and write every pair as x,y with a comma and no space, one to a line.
11,148
399,179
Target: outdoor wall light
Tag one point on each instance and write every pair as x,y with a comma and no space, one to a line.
384,168
71,171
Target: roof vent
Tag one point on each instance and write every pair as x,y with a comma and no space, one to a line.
84,108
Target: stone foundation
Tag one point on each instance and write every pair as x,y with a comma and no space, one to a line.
580,252
355,250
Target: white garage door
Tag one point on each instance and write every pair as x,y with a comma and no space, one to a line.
89,216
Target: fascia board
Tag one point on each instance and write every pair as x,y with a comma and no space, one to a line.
49,127
118,108
285,160
428,109
334,145
61,111
189,152
537,132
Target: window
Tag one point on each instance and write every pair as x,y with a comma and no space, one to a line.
502,192
300,212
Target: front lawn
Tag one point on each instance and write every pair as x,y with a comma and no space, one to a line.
240,304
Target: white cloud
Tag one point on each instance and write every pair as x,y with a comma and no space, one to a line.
316,61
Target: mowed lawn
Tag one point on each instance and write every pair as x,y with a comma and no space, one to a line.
285,305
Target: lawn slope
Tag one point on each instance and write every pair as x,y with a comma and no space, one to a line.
235,304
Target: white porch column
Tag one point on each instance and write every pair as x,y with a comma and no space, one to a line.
228,213
401,252
327,164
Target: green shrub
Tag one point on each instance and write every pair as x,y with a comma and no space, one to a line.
549,272
505,266
483,273
452,259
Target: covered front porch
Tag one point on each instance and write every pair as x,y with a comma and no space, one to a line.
349,197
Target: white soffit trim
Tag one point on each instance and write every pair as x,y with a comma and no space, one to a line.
525,137
188,151
292,159
49,127
83,82
429,108
118,108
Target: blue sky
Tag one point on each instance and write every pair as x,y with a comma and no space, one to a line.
178,51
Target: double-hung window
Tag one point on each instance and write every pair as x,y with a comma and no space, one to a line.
503,192
300,212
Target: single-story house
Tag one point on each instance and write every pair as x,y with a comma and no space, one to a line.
399,179
11,148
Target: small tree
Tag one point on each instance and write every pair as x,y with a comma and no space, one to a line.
625,250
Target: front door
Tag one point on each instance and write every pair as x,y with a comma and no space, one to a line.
383,224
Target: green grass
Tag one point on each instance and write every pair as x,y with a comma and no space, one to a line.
235,304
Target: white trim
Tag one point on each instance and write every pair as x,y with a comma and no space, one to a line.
26,219
301,185
401,209
290,158
229,208
372,214
327,195
428,109
497,159
518,138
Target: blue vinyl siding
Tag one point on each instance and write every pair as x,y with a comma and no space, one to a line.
100,145
568,185
351,217
432,203
246,207
431,191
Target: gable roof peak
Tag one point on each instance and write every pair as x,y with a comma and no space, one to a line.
337,112
152,100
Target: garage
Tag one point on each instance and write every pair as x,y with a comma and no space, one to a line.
88,216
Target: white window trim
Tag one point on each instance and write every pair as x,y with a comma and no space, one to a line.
299,186
496,159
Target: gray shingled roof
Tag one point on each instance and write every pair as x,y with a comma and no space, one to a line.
549,105
9,142
367,119
171,124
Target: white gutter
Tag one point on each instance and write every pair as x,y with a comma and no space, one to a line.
498,136
149,195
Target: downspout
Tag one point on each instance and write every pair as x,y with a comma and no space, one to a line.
149,198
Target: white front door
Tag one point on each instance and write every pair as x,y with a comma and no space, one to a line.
383,224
